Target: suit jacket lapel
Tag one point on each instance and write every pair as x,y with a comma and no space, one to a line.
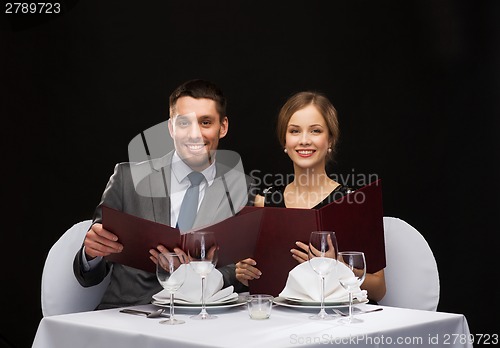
210,206
160,182
214,194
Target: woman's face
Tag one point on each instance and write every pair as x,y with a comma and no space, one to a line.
307,138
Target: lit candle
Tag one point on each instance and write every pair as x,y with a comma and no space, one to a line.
259,314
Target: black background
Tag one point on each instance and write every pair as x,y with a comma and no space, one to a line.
416,85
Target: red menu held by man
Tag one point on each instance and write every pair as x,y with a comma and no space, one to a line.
236,237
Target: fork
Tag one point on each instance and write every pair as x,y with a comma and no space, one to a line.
155,314
339,312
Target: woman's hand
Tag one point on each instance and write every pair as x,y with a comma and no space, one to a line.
300,254
246,270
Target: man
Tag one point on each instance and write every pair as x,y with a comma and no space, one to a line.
155,190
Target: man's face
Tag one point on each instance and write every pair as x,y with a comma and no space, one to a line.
196,129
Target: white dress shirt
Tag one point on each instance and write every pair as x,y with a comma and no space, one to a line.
179,183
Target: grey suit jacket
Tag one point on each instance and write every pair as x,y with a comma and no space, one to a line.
141,189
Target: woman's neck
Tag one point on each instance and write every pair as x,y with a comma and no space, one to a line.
310,179
308,188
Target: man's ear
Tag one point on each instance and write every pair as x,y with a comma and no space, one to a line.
170,128
224,127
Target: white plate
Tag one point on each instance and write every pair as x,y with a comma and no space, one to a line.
233,297
281,301
235,303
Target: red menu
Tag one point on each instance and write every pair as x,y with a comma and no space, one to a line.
356,219
236,236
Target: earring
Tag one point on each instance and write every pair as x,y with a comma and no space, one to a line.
329,150
285,150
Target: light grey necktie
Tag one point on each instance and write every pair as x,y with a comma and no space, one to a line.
189,206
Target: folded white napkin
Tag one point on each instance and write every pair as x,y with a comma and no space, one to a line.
304,285
190,291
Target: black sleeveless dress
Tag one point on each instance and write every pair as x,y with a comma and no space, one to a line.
274,196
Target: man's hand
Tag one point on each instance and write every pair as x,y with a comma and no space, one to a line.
100,242
160,249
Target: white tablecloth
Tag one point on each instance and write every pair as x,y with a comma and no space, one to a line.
287,327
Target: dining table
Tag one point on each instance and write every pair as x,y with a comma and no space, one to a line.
288,326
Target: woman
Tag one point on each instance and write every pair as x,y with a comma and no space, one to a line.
308,130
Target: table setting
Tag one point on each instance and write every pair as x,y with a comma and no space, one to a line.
180,275
182,288
304,291
339,287
285,327
189,294
300,293
329,283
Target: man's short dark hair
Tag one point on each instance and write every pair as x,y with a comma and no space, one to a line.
198,89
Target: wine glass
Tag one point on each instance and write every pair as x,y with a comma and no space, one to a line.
202,250
171,273
322,257
355,260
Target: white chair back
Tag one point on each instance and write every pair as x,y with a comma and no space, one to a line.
411,272
61,291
